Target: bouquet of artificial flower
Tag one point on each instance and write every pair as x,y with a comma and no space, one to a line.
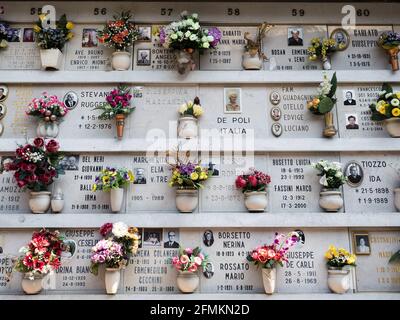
49,108
120,243
120,33
3,35
36,164
253,181
325,100
388,104
331,174
322,48
188,34
339,258
111,178
118,102
389,40
191,108
190,176
269,255
189,260
50,38
41,255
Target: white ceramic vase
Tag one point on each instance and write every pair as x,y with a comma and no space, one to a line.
330,200
397,198
186,200
338,280
32,286
51,59
39,202
255,201
121,60
252,62
47,129
326,64
116,197
269,280
112,278
184,61
393,127
187,127
187,281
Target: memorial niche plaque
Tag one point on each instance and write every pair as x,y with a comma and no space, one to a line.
377,175
286,47
296,120
22,52
294,183
80,173
374,272
305,272
85,53
229,51
220,193
363,52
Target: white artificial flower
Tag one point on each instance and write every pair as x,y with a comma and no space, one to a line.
197,110
381,93
195,15
395,102
339,174
180,34
187,34
204,39
120,229
196,26
182,108
206,45
190,22
193,37
210,38
388,95
190,104
174,36
323,181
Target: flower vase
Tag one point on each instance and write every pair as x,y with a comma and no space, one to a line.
187,127
269,279
116,198
120,121
39,202
51,59
252,60
57,202
187,281
184,59
326,64
32,286
47,129
329,130
330,200
397,198
186,200
121,60
255,201
338,280
393,127
394,58
112,278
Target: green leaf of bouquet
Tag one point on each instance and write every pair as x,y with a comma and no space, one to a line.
395,257
334,86
387,87
378,117
325,105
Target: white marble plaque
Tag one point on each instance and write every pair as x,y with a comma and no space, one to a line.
13,200
286,47
363,52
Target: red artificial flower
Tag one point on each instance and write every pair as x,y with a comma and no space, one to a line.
55,263
240,182
31,178
38,142
253,181
52,173
21,183
52,146
28,261
19,152
106,228
25,166
31,167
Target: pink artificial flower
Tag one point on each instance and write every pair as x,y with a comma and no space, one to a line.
184,259
189,250
198,261
193,268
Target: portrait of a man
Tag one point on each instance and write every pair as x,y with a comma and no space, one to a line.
354,174
71,100
211,166
144,33
208,238
341,37
3,93
232,100
276,129
295,36
208,271
140,176
152,237
143,57
276,113
275,98
70,163
14,35
348,98
171,242
352,122
89,38
3,110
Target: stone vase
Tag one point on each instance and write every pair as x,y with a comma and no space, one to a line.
39,202
251,60
269,279
186,200
393,127
397,198
51,59
116,199
184,60
338,280
326,64
121,60
330,200
329,130
187,281
187,127
255,201
112,278
48,129
32,286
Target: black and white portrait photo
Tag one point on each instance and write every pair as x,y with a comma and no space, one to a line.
354,174
70,163
143,57
361,243
276,113
348,98
89,38
341,37
144,33
208,270
3,111
352,121
14,35
152,237
208,238
295,36
140,176
71,100
3,92
28,35
276,129
171,238
212,166
302,237
275,98
4,161
232,100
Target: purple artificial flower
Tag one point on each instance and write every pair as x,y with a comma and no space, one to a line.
216,33
162,35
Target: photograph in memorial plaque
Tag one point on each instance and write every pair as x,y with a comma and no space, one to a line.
144,33
3,92
361,243
3,110
232,100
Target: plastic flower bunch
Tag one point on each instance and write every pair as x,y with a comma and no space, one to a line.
191,108
117,102
188,175
389,40
112,178
188,34
321,48
3,35
254,181
325,100
189,260
50,38
387,105
331,174
47,107
339,257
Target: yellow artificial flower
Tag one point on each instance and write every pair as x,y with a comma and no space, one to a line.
180,181
397,94
131,176
36,28
351,260
70,25
70,35
382,109
94,187
171,183
310,105
328,255
42,16
197,168
197,110
194,176
315,101
396,112
106,179
203,176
